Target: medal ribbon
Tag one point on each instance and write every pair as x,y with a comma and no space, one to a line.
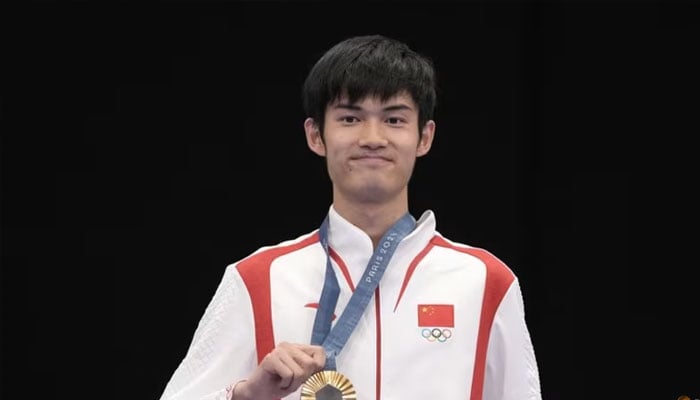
334,340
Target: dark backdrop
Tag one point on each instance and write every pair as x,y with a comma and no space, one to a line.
145,146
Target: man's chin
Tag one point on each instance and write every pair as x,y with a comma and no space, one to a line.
372,193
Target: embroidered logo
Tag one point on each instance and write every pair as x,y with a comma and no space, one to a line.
435,321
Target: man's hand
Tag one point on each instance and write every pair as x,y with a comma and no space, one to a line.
281,372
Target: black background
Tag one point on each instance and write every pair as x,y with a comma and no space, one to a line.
145,146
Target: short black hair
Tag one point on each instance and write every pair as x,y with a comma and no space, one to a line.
370,65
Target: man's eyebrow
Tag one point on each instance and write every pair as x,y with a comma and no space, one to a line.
398,107
347,106
355,107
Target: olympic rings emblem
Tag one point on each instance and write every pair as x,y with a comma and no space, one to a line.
436,334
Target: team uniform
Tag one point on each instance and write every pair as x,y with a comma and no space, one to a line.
446,321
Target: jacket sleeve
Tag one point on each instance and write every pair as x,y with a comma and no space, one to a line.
511,367
222,350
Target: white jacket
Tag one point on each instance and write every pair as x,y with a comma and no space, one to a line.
446,322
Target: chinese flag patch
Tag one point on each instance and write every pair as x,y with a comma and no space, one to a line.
434,315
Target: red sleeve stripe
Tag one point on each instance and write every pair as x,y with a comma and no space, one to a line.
498,279
255,272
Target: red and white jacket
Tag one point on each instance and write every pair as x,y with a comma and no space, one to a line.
446,321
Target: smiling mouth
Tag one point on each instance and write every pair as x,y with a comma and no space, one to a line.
371,157
371,160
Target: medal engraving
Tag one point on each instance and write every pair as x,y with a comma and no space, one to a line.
328,385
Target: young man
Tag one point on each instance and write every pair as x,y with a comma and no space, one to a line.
373,304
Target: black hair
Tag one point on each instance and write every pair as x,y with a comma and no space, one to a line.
369,65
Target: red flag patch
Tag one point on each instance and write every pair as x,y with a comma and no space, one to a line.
433,315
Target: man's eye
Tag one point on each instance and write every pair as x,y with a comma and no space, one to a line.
349,119
394,120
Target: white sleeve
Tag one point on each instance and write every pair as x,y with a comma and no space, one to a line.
511,367
222,350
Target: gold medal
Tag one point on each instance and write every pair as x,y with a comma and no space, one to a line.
328,385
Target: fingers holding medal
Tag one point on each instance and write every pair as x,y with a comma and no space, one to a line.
290,364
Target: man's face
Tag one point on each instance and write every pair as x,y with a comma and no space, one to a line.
371,146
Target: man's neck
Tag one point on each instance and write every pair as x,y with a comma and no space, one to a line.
373,219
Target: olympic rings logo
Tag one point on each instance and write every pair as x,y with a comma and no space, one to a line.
436,334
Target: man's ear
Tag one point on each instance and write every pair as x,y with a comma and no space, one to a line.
313,137
426,138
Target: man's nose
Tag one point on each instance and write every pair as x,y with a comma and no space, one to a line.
373,134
